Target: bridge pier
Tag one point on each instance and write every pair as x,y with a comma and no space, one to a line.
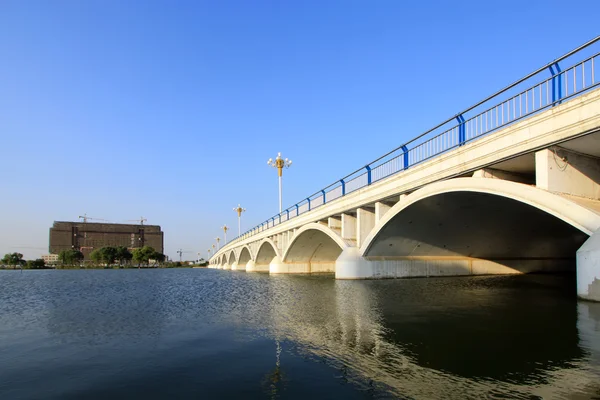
234,266
252,266
588,269
226,266
350,265
279,267
249,266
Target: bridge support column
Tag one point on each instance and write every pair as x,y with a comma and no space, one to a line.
279,267
348,227
350,265
234,266
240,267
252,266
334,223
559,170
225,266
249,266
380,210
365,221
588,269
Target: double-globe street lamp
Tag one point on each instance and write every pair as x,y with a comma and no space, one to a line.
225,229
280,164
239,211
217,239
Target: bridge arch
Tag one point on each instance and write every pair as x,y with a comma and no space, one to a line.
267,250
480,218
244,256
314,248
231,258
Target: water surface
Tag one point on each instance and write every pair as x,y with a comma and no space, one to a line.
202,333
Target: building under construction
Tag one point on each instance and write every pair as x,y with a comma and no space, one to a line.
87,236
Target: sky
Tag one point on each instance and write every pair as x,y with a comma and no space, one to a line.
170,109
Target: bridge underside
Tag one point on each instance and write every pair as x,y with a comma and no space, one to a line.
312,252
464,233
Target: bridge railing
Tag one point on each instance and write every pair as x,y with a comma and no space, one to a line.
523,98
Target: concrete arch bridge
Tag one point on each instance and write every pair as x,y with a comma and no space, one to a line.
501,192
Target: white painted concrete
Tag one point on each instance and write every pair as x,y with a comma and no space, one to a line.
561,171
563,208
365,221
348,227
251,266
498,174
588,269
380,210
351,265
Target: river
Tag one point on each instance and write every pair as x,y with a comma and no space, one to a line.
213,334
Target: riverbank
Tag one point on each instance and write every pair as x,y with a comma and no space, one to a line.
100,266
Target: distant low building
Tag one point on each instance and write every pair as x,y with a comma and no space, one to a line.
88,236
50,259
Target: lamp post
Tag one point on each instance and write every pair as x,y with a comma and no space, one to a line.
208,252
239,211
225,229
217,239
280,164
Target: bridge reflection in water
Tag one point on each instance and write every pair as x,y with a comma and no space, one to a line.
442,337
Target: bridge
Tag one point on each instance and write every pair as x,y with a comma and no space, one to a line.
510,185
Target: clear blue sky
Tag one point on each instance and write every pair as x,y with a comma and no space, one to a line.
170,109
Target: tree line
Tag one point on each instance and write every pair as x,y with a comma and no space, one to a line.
105,255
110,255
16,260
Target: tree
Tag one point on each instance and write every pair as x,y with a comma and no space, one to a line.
109,255
13,259
158,257
70,257
142,255
96,256
123,254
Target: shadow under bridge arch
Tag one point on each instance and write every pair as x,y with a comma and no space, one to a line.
231,258
266,252
314,248
469,226
243,258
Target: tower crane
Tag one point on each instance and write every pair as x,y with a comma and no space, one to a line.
182,252
85,218
141,220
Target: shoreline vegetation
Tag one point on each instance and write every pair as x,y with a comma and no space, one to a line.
104,258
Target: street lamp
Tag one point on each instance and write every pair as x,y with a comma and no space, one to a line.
225,229
208,254
217,239
239,211
279,163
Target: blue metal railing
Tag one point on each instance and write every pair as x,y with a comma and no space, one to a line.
515,102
